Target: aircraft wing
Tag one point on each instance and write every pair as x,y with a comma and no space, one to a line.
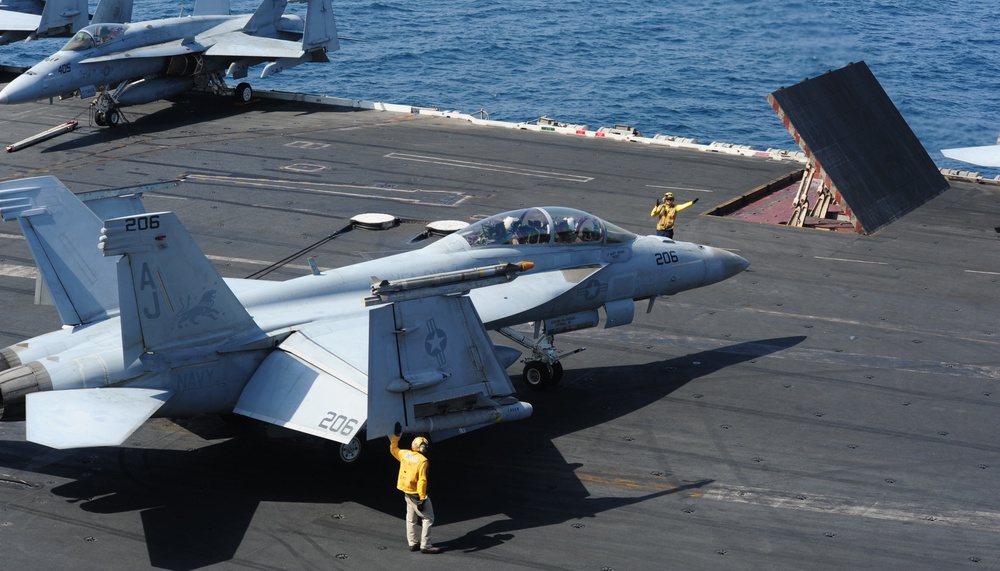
432,365
316,382
527,292
82,418
18,21
158,51
242,45
987,156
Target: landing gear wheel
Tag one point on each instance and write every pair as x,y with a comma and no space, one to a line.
538,375
113,117
101,119
349,455
243,93
557,373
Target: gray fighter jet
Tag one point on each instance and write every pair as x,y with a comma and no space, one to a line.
27,19
139,62
150,327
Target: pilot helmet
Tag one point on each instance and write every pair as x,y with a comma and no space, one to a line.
419,445
668,196
509,222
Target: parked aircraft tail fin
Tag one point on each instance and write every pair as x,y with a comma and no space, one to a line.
320,27
60,231
170,294
266,17
114,12
60,17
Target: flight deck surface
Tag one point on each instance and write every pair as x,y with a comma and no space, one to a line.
833,407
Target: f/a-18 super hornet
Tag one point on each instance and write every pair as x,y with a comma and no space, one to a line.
132,63
150,327
26,19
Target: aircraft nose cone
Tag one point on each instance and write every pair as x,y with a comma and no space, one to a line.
3,98
721,265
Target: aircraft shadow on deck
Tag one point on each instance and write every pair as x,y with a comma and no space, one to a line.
183,111
197,505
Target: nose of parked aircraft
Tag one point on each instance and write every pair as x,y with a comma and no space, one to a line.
721,264
22,89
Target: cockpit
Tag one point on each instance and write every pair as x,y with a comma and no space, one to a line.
549,225
93,36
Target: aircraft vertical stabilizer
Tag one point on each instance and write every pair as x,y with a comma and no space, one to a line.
59,230
171,295
320,27
266,17
117,12
61,16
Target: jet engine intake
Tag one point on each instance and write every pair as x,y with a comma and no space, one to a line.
184,65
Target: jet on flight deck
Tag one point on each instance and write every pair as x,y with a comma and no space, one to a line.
27,19
150,327
132,63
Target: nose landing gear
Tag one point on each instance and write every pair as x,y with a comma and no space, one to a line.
543,368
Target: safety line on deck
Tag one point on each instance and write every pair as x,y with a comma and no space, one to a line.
488,167
850,260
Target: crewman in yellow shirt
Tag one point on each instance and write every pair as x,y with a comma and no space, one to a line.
667,212
412,482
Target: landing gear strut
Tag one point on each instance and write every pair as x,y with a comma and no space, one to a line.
543,368
106,112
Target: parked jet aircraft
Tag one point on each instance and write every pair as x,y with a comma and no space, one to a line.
25,19
129,64
20,19
149,326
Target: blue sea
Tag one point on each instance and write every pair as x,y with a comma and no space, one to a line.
699,68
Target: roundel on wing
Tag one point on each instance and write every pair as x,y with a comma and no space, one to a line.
435,343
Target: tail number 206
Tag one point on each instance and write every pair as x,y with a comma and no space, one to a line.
338,423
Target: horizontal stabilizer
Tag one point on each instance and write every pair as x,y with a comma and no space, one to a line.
988,156
312,384
82,418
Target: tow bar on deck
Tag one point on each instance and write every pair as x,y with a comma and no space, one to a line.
43,136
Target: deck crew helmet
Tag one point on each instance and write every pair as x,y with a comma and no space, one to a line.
419,444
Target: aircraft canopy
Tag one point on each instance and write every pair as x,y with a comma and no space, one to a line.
93,36
552,224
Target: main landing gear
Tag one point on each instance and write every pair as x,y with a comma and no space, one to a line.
543,368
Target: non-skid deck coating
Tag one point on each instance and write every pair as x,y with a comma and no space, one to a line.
834,407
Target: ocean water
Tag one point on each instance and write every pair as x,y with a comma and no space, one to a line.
699,68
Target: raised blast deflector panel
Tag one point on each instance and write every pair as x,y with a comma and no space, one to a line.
864,150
